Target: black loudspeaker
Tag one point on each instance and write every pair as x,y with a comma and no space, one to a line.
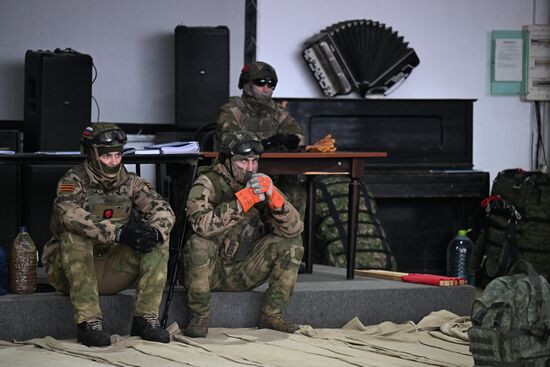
58,95
9,140
202,74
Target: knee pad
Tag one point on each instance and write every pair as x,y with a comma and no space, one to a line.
292,246
297,249
199,251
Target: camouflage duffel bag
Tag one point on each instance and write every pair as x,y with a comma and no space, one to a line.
331,219
511,320
517,225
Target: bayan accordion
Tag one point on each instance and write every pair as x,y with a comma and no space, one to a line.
361,55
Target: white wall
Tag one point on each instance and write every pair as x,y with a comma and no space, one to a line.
452,40
131,42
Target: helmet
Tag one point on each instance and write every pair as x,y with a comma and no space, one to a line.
257,70
102,134
241,143
98,139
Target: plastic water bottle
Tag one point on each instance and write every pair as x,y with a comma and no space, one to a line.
458,257
3,271
23,263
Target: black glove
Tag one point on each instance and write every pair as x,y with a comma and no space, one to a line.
139,236
290,141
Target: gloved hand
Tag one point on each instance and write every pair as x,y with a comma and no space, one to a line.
325,145
290,141
248,198
139,236
262,184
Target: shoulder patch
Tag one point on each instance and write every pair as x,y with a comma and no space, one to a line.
66,188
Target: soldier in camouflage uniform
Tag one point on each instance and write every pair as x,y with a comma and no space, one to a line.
110,228
256,112
244,233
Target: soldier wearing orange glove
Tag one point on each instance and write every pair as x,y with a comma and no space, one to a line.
244,233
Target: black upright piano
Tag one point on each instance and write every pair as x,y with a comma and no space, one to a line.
427,188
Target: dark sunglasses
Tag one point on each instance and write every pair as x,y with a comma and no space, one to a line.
262,82
248,147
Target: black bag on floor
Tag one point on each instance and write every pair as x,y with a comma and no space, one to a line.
517,225
511,320
331,212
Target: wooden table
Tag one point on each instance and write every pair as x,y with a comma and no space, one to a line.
350,163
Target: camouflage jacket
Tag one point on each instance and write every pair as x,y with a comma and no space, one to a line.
246,114
214,213
88,209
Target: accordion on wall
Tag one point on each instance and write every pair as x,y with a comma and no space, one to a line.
361,55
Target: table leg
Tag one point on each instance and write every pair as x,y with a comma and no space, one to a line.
309,225
353,211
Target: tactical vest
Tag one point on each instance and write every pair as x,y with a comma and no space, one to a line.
262,123
331,215
237,242
117,208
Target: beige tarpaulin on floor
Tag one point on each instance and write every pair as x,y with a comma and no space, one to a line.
437,340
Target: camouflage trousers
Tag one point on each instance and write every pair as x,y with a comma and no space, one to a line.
272,258
84,270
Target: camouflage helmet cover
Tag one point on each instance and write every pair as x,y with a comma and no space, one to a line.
257,70
102,133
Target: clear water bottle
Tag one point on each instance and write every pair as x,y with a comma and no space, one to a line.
458,257
3,271
23,263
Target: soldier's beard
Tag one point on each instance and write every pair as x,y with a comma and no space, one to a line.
240,175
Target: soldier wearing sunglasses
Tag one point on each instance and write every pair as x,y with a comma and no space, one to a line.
110,229
244,233
256,112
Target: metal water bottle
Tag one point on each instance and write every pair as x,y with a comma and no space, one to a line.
23,263
458,256
3,271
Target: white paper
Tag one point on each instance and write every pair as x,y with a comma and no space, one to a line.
508,60
191,147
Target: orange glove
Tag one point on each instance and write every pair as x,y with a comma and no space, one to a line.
247,198
276,200
262,184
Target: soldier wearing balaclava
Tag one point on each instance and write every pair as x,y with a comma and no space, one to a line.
110,229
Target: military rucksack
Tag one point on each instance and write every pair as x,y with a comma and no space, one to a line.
517,225
511,321
331,213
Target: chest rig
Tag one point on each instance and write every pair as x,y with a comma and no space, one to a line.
260,120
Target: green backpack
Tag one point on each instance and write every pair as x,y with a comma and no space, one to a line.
331,216
511,321
517,225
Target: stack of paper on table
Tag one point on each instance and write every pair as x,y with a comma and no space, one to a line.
175,147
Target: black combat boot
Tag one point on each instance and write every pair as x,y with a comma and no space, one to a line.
276,322
148,328
197,327
91,334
